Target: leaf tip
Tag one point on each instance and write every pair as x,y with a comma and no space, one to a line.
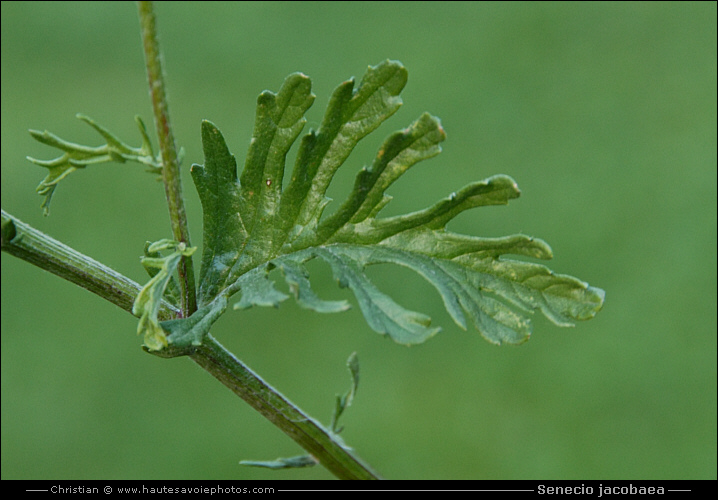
208,126
597,297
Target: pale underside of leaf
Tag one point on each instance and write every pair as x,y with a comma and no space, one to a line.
283,463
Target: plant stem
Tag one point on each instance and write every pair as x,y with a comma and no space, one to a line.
29,244
303,429
37,248
170,164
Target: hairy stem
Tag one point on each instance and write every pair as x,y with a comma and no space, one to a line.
37,248
170,164
29,244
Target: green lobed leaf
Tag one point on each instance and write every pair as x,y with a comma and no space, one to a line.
224,229
148,301
76,156
350,116
253,225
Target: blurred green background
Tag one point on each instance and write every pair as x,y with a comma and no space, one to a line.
604,113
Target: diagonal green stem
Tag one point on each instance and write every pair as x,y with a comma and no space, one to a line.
29,244
303,429
37,248
170,163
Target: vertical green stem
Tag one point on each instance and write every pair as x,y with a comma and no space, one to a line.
170,164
